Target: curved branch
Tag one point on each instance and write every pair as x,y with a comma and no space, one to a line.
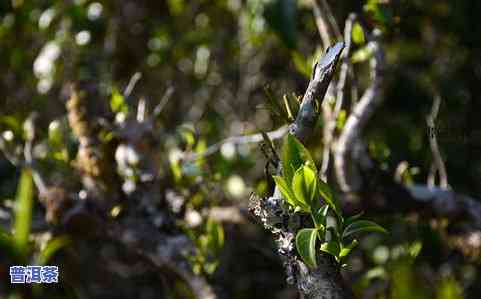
331,116
438,165
348,177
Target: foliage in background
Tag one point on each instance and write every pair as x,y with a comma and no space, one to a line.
219,56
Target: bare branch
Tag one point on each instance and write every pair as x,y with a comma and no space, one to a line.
132,82
165,99
308,113
326,23
349,178
255,138
438,165
231,214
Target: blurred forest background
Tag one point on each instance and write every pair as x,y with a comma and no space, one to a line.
164,81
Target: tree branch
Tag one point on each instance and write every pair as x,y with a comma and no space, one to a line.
326,23
438,165
255,138
308,113
349,178
324,281
330,117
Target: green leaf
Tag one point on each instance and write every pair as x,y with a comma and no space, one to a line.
320,216
304,185
358,34
117,102
53,245
331,247
347,249
23,211
330,198
294,155
362,226
288,194
306,245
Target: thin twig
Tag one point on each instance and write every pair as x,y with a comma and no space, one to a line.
326,23
438,163
132,82
255,138
165,99
141,110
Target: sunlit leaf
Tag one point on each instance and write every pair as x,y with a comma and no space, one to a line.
347,249
306,245
288,194
117,102
415,248
331,247
358,34
294,155
304,185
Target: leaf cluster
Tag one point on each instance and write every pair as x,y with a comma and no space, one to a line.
306,193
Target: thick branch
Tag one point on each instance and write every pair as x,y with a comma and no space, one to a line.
308,113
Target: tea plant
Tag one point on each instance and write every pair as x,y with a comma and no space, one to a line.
306,193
